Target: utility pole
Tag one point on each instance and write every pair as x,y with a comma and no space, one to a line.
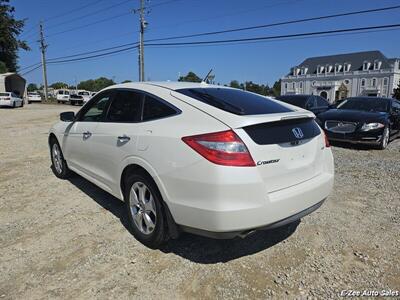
43,47
143,25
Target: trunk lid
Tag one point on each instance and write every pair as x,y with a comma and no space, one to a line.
287,152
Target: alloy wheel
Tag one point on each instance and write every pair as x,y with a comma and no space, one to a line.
143,208
57,159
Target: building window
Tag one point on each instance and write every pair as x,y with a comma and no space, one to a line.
286,86
338,67
377,65
362,82
314,83
294,85
328,69
373,81
347,67
366,65
320,69
346,81
301,85
385,81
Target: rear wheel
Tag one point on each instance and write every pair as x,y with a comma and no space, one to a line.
385,139
58,163
145,211
22,103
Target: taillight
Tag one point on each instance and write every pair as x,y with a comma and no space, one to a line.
7,98
222,148
326,139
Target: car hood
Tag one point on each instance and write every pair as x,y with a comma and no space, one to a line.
352,115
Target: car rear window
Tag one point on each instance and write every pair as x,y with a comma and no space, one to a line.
155,109
299,101
235,101
4,94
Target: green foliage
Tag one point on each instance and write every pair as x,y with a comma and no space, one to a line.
3,67
32,87
126,81
235,84
59,85
95,85
276,89
396,92
190,77
10,28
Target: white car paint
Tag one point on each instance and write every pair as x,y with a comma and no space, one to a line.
34,97
85,95
10,99
199,193
63,96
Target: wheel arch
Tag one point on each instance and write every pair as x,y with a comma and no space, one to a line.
172,227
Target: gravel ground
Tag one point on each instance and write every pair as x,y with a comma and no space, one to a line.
68,239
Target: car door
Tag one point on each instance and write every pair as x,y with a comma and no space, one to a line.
116,137
78,139
395,116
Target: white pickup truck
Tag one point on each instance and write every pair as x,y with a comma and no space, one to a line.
62,96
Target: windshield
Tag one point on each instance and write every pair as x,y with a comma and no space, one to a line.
294,100
365,104
83,93
4,94
235,101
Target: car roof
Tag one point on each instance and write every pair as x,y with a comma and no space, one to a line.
171,85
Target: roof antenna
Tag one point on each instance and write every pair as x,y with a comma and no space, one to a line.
205,80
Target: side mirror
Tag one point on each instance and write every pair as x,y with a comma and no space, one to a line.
67,116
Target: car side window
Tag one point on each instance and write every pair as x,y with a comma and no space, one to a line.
396,107
97,109
311,103
125,107
321,102
156,109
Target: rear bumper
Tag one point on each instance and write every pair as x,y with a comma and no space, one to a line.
233,234
6,103
372,137
232,201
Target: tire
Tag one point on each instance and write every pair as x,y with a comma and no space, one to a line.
22,104
385,139
58,163
29,102
14,104
152,232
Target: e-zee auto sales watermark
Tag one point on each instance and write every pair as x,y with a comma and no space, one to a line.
369,293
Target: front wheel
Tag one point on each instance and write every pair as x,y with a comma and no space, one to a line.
145,212
385,139
58,163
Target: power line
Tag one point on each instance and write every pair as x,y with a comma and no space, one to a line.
277,36
27,72
92,56
92,13
73,10
277,24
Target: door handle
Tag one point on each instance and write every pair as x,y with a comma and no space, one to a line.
86,135
124,138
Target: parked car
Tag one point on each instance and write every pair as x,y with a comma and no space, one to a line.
92,94
62,96
205,159
76,99
366,120
10,99
86,96
34,97
315,104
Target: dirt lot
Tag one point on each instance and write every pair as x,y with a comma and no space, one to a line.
68,239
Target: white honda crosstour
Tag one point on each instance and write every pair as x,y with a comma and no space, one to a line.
199,158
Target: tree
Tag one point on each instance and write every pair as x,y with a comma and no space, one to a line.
59,85
235,84
276,88
396,93
96,84
190,77
126,81
32,87
3,68
10,28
